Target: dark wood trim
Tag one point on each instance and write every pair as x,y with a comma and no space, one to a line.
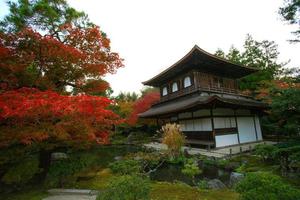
237,127
255,127
225,131
215,116
212,125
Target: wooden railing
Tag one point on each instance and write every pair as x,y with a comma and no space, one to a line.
192,89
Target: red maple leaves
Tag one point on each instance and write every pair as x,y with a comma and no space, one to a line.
32,116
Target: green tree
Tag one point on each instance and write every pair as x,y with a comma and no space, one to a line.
262,55
290,12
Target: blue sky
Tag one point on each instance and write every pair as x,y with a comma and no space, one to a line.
151,35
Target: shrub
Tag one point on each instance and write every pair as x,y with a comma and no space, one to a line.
202,184
262,186
173,138
61,169
127,188
265,151
191,168
124,167
22,173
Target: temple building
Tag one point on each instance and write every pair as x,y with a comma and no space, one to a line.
200,92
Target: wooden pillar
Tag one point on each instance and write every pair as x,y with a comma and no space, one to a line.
195,77
212,125
236,123
255,127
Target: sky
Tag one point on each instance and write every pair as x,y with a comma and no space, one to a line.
151,35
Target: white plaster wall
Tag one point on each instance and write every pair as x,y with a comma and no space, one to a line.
202,112
184,115
258,128
246,129
224,122
226,140
196,125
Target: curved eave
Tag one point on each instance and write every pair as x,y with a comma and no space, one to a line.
242,69
181,106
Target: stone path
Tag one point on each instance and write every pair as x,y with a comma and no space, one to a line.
216,153
71,194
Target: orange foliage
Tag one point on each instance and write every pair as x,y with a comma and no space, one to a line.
141,105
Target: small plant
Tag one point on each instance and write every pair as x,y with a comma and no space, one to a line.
173,138
203,185
22,173
127,188
191,169
126,167
262,186
266,152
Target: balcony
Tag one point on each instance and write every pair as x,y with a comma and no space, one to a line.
193,88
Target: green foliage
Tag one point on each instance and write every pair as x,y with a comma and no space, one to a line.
261,55
127,188
265,151
22,172
191,168
291,13
203,185
262,186
180,159
148,159
286,108
61,169
124,167
45,15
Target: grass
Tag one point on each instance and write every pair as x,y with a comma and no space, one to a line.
33,194
178,191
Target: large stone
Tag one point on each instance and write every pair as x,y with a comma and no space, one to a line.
235,178
58,156
216,184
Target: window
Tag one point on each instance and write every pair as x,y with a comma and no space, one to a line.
174,87
164,91
187,82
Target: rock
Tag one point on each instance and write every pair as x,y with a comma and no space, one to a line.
231,166
117,158
216,184
235,178
58,156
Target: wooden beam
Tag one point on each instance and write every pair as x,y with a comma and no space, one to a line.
212,125
236,123
255,127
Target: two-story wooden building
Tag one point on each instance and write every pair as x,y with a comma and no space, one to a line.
200,92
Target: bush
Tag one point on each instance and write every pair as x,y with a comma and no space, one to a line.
61,169
22,173
265,151
203,185
127,188
263,186
126,167
173,138
191,168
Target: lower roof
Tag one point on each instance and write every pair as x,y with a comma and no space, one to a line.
181,105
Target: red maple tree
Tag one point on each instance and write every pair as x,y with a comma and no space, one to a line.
28,115
141,105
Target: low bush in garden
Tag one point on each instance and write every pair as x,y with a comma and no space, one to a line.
265,151
61,169
203,185
173,138
191,169
125,167
263,186
127,188
22,173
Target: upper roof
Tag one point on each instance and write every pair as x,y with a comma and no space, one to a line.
201,60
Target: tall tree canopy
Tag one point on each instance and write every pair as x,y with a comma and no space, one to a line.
48,49
49,45
290,12
262,55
